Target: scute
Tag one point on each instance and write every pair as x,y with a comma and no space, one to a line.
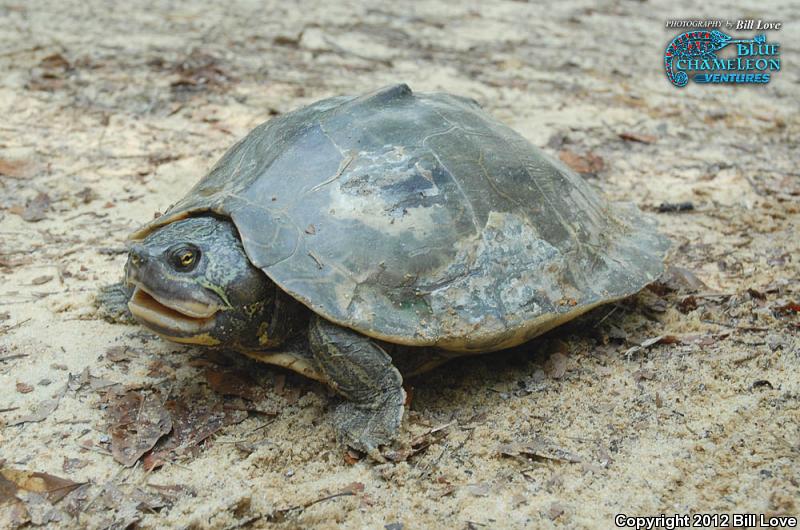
418,219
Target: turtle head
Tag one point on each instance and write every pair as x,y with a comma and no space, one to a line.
193,283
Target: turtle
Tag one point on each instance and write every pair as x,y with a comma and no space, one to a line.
363,239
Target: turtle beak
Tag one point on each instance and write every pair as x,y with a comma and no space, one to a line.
177,308
168,321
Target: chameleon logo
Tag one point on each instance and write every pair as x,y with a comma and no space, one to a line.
693,44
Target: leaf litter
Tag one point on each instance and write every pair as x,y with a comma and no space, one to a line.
139,420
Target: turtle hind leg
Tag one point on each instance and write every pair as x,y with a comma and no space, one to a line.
358,369
112,303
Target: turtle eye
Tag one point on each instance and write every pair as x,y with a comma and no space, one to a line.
185,258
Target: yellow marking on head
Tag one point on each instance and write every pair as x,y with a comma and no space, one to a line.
203,339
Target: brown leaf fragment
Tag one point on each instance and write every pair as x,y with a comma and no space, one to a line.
687,304
637,137
101,384
556,510
53,488
24,388
15,168
158,369
41,280
354,487
756,294
194,419
18,516
292,394
286,40
126,503
586,164
788,307
199,71
87,195
681,280
77,382
41,410
172,491
233,383
71,464
138,421
55,61
352,457
117,354
518,500
35,209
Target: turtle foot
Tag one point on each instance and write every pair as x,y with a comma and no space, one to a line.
366,428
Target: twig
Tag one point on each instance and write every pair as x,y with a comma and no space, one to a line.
245,522
605,317
21,50
6,329
746,358
11,357
280,515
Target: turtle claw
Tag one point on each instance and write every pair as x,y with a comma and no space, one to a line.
367,428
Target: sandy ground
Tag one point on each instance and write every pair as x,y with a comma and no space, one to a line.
109,115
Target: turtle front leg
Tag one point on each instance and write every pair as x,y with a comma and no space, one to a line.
358,369
112,303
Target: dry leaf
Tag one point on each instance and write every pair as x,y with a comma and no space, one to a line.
233,383
15,168
139,421
55,61
41,410
586,164
71,464
35,209
194,419
53,488
117,354
682,280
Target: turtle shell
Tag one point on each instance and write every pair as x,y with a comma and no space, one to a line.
418,219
